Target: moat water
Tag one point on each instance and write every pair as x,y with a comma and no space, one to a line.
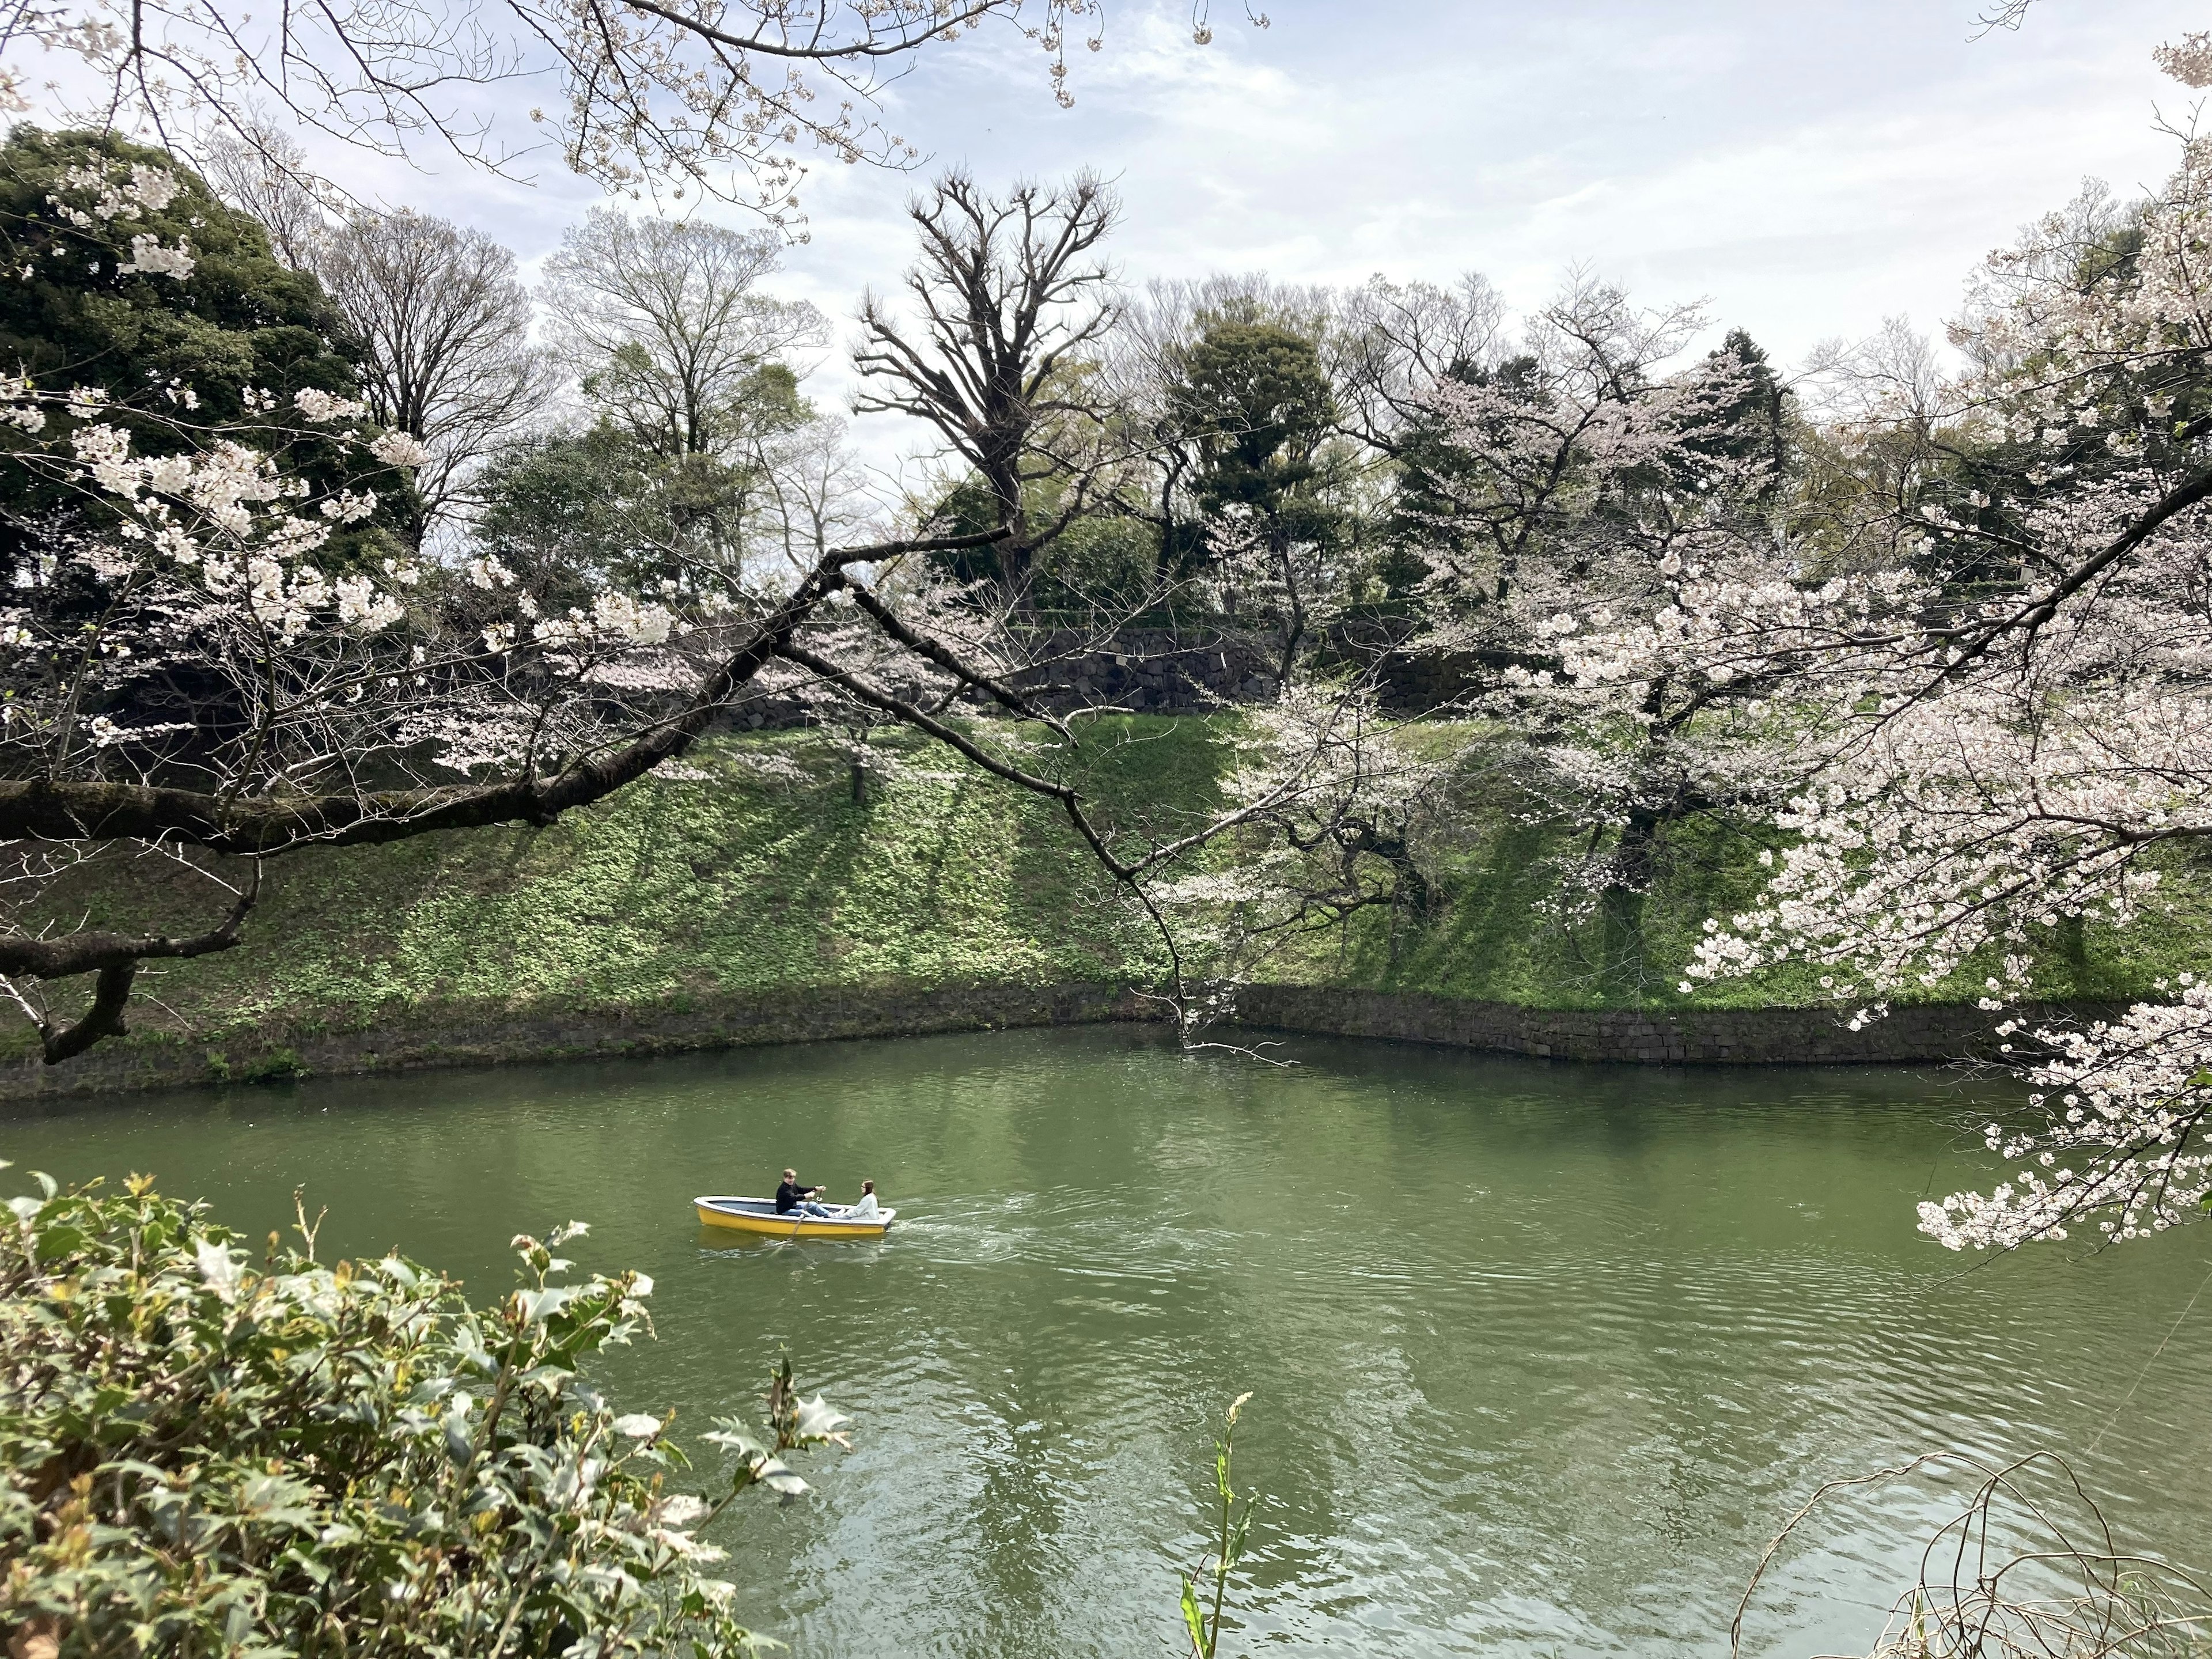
1542,1356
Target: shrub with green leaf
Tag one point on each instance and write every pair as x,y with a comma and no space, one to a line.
200,1454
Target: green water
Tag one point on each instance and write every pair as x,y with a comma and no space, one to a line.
1542,1355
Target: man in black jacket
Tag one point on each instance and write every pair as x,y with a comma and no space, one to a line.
791,1196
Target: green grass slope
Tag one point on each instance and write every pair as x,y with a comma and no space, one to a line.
757,872
1514,929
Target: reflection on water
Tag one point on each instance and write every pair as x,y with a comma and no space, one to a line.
1542,1354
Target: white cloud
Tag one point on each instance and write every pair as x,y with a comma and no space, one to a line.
1808,170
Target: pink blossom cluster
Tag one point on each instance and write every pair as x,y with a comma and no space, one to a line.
1978,698
2119,1135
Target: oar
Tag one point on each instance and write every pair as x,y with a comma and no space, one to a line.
798,1221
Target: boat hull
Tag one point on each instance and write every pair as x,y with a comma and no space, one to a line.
758,1216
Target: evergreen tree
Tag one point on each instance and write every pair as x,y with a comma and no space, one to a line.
1256,402
226,335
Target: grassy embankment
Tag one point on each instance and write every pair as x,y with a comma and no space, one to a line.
762,875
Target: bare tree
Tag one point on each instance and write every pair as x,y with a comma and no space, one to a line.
665,324
260,170
1009,294
1154,333
814,495
445,326
1390,342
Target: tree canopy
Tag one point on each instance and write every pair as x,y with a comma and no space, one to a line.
87,307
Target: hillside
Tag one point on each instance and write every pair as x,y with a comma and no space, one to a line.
757,875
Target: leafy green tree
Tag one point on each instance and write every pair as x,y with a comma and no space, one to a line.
1754,425
204,1452
564,509
970,508
1254,405
1108,560
78,315
599,505
130,278
1092,559
1256,402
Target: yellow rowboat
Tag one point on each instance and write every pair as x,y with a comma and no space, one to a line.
757,1215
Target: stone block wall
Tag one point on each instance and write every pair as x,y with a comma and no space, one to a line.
403,1039
1741,1036
1156,672
406,1039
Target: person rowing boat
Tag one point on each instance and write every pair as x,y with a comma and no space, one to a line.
791,1198
805,1218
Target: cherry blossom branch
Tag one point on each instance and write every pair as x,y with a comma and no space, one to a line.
966,673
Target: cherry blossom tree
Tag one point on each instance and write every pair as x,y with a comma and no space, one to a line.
1949,630
2019,716
1588,461
724,98
1584,457
1332,804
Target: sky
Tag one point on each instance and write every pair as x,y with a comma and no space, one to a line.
1805,167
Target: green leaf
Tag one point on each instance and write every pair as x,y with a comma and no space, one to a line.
817,1421
60,1240
1194,1619
1237,1536
778,1478
278,1500
540,1305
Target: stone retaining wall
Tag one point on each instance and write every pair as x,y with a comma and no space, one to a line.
413,1038
1159,672
1151,672
1745,1036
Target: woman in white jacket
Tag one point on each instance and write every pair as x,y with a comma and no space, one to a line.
867,1209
